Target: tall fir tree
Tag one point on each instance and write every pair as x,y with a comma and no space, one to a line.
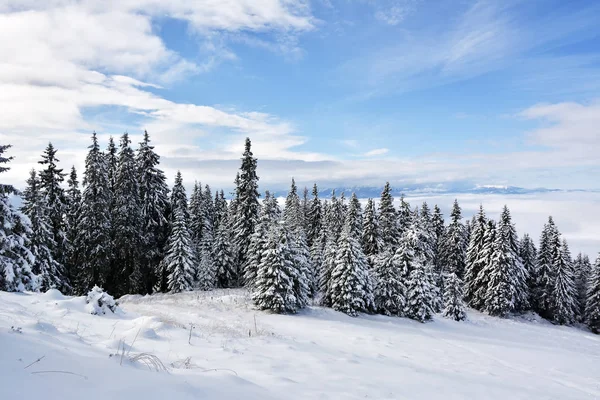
73,196
355,215
180,258
454,306
197,215
351,288
247,207
473,262
583,270
506,274
388,223
371,237
546,270
439,232
94,225
48,270
484,259
51,179
314,217
592,305
223,256
127,224
454,245
564,296
112,162
405,216
528,253
292,212
389,291
305,212
155,208
267,217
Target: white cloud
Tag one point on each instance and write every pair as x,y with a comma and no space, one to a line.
376,152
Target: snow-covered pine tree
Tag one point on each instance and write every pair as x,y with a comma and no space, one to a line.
485,258
274,286
350,285
388,220
473,262
439,231
48,270
208,207
583,270
389,291
126,225
335,216
328,263
371,237
292,213
454,306
51,178
206,275
405,216
258,241
223,256
246,205
155,208
528,253
15,257
506,286
221,210
564,296
355,214
305,211
592,305
112,163
180,259
454,245
73,196
93,240
546,269
197,214
421,292
314,217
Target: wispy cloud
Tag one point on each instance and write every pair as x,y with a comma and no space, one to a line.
376,152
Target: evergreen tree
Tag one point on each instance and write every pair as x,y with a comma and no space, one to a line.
564,294
439,232
206,275
335,216
371,238
51,178
405,216
292,213
180,258
454,306
350,287
126,224
454,246
327,266
473,262
389,291
73,196
259,238
93,226
314,217
15,257
274,288
388,223
112,163
545,273
246,207
485,259
583,270
48,270
305,211
221,210
197,216
355,215
528,254
154,208
592,306
223,257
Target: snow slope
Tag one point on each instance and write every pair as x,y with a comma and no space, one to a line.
237,352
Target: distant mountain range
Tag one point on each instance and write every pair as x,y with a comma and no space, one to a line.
419,190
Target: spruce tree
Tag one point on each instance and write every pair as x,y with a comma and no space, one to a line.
350,287
93,227
223,256
15,256
389,291
73,196
305,212
583,270
246,208
473,262
485,258
405,216
371,238
564,296
328,264
48,270
592,305
355,215
112,163
180,259
388,223
528,253
314,217
546,270
439,231
292,213
454,245
154,207
454,306
197,216
259,238
126,224
51,178
274,287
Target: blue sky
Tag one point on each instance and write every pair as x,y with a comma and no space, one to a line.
338,91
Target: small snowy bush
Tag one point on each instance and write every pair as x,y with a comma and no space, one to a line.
99,302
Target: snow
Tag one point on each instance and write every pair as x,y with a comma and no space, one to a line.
237,352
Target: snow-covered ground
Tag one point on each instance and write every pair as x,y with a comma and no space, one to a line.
237,352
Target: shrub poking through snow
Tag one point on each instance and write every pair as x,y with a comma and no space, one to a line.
99,302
